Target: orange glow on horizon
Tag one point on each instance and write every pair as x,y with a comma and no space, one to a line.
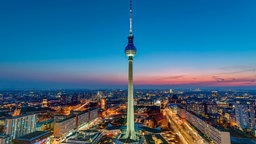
221,79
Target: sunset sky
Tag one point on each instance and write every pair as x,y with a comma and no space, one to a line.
80,43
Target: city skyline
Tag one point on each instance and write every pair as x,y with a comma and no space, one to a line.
64,44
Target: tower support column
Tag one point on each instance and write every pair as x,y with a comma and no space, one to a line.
130,109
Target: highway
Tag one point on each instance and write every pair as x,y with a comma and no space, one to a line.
83,105
184,130
91,124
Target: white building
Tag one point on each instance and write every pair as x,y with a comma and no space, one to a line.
94,114
219,137
62,127
82,118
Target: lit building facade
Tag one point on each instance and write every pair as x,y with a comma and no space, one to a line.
20,125
62,127
245,115
199,109
211,109
82,117
94,113
45,125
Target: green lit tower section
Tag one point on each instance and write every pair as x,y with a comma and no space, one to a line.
130,51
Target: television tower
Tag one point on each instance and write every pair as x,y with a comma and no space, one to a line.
130,51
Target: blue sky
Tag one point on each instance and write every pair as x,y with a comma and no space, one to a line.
80,44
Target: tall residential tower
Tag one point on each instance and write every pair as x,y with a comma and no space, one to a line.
130,51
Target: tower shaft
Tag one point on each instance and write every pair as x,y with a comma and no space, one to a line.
130,132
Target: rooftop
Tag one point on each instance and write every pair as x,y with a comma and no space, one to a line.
35,135
23,115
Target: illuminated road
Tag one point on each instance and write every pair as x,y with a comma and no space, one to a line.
83,105
91,124
187,134
173,125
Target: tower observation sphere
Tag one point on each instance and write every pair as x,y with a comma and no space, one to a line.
130,49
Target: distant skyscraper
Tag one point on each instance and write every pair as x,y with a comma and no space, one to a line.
130,51
171,91
98,96
1,97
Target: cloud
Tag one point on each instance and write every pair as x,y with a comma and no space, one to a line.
171,77
241,80
218,79
232,79
236,67
237,72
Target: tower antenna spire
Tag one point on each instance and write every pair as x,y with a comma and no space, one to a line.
131,17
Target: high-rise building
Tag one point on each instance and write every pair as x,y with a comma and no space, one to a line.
245,115
103,104
130,51
20,125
